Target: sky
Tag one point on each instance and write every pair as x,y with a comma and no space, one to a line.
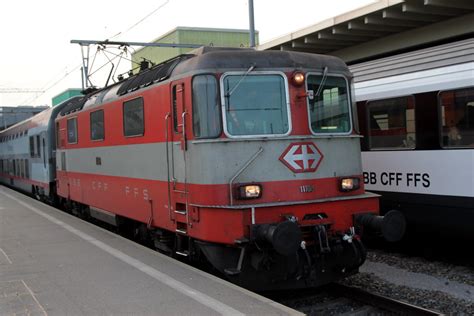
36,53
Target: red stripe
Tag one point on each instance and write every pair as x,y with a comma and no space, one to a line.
142,199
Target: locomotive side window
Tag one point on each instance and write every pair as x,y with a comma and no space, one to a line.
392,123
206,113
133,118
72,131
255,104
175,110
329,104
97,125
457,117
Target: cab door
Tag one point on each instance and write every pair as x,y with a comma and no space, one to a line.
177,150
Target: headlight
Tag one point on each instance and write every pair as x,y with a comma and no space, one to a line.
249,191
298,79
349,184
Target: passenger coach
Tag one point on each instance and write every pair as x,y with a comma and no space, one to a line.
417,115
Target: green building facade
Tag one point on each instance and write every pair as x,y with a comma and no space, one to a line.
67,94
192,35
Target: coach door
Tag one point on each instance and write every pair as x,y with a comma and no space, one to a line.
176,149
62,182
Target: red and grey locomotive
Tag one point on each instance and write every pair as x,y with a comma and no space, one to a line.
248,160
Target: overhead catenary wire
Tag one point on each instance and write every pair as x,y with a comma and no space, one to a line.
141,20
52,85
28,100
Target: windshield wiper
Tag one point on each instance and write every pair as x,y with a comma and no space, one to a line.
230,91
323,81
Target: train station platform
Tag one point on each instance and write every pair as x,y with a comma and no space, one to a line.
52,263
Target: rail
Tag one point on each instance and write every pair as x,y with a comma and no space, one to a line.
379,301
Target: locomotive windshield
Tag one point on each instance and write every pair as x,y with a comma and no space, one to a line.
257,106
329,104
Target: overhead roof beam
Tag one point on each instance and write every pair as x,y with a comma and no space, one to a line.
357,25
413,38
381,21
303,49
330,36
392,14
327,45
425,9
330,44
343,30
459,4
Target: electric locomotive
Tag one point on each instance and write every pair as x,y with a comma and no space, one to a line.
246,160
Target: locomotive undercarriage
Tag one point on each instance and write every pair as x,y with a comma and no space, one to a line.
319,259
277,256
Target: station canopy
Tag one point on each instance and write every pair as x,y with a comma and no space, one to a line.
383,27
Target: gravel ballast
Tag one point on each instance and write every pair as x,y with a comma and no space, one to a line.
433,285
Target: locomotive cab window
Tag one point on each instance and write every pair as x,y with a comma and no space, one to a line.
392,123
255,104
72,131
133,118
457,117
329,104
97,125
206,110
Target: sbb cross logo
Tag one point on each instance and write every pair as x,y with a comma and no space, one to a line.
302,157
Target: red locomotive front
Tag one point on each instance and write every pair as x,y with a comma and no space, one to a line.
248,160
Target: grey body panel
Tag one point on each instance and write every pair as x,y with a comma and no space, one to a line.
216,162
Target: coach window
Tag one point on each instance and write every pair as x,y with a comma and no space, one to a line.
32,146
457,117
72,131
392,123
38,146
255,104
133,118
206,110
97,125
27,170
329,104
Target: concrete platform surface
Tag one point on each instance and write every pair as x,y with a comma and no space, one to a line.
52,263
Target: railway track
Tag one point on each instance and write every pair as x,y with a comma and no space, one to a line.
337,299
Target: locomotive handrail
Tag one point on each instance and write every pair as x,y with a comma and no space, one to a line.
183,116
366,195
260,150
229,140
167,117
